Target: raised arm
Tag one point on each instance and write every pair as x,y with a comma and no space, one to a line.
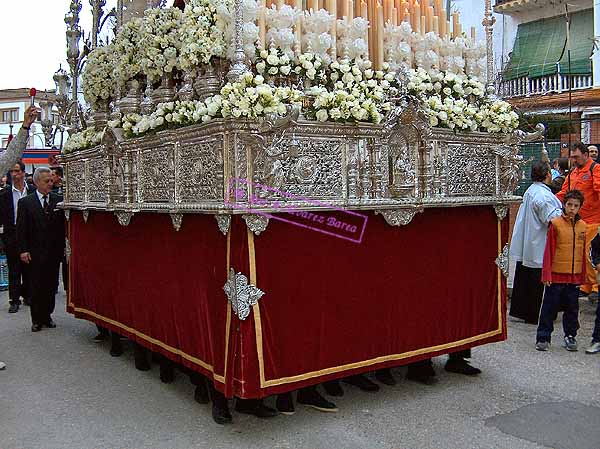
15,148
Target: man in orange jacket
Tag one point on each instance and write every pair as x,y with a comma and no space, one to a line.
585,177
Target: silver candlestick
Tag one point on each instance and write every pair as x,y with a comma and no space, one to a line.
238,65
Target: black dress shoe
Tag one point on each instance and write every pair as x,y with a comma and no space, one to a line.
254,407
167,370
14,308
333,388
116,348
384,376
140,358
220,407
362,382
310,397
461,367
285,404
36,328
50,324
221,414
201,391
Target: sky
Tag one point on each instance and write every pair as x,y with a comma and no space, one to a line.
33,40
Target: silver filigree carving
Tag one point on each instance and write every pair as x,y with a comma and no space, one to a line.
124,217
501,211
256,223
223,222
241,294
86,215
400,217
68,214
503,260
176,219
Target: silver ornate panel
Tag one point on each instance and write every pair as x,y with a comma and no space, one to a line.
400,165
470,169
156,170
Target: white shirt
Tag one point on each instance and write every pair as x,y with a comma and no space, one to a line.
531,226
41,198
17,195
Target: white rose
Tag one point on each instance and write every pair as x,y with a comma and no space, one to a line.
272,60
447,91
322,115
286,69
273,71
260,67
310,73
264,54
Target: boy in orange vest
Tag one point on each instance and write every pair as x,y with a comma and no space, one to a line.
563,271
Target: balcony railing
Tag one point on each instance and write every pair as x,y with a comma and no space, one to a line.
557,83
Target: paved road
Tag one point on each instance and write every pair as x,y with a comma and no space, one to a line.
60,390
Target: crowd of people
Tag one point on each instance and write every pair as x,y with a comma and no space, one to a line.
556,246
32,231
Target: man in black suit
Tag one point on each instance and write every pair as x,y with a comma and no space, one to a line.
17,273
41,239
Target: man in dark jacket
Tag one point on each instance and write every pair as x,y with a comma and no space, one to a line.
17,273
41,240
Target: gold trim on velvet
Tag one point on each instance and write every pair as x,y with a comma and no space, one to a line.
228,323
300,377
256,309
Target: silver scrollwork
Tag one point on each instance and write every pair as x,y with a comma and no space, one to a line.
241,294
503,260
400,217
86,216
68,214
124,218
176,219
256,223
501,211
67,249
223,222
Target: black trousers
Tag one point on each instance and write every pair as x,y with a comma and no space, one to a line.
43,290
18,284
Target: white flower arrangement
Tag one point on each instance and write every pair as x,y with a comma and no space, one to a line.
83,140
458,102
127,52
161,43
97,78
317,37
311,67
354,93
273,62
280,23
174,114
398,42
201,39
250,97
352,38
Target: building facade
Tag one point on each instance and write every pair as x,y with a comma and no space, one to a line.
42,145
550,64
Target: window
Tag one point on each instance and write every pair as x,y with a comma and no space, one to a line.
3,143
9,115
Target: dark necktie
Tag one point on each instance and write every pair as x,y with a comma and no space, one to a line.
45,197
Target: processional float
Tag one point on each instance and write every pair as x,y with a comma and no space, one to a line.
191,215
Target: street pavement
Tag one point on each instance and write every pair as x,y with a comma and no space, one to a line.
62,390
